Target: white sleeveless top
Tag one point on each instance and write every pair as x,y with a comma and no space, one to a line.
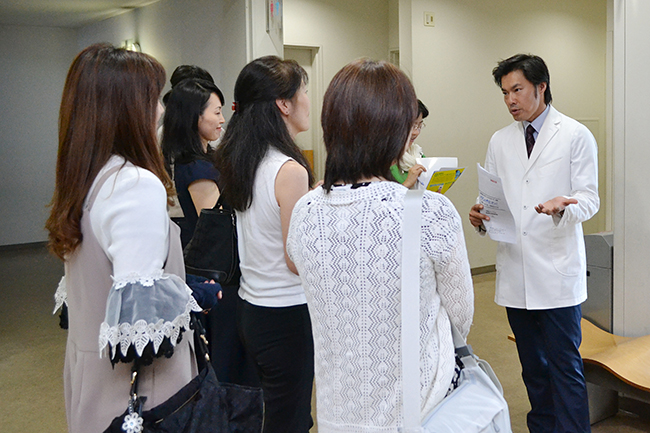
266,280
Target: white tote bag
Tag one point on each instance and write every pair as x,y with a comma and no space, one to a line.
477,404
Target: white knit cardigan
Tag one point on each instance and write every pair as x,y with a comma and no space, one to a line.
347,248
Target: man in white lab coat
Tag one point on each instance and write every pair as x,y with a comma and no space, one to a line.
549,167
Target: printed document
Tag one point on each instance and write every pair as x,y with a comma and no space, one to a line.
501,226
441,174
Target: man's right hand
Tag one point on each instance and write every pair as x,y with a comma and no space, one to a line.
476,218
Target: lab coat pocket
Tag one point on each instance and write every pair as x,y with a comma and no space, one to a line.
566,258
549,168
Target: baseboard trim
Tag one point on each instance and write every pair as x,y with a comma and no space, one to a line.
23,247
483,270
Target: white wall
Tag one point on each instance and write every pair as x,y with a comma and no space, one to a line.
393,24
220,36
338,31
260,43
112,30
34,62
233,41
345,30
405,33
451,70
180,32
631,93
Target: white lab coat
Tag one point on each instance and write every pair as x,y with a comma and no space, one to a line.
546,268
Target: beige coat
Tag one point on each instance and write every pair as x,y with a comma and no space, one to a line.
95,393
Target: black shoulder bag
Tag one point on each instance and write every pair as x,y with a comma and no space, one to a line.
203,405
212,252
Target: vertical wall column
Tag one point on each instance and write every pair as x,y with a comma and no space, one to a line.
406,37
631,151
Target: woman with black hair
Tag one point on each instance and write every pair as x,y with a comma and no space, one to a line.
193,117
183,72
263,174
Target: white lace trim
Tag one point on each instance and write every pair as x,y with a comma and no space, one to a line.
61,295
147,281
140,333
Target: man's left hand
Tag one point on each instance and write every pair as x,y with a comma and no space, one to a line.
555,205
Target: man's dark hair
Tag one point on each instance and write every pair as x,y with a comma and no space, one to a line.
533,68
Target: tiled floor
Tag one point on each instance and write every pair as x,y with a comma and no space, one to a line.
32,348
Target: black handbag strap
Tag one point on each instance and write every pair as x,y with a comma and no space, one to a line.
135,402
202,350
222,203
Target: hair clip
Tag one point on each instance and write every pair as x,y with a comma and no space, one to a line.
235,106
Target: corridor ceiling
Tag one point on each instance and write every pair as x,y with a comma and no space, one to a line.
63,13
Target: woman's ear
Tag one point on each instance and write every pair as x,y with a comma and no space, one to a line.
284,105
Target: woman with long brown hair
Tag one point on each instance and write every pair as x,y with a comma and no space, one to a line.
124,277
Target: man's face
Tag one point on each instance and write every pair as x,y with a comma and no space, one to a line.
524,100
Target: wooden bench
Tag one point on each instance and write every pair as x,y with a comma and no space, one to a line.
627,358
613,365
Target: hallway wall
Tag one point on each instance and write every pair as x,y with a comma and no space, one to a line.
341,31
631,91
346,30
34,62
180,32
33,65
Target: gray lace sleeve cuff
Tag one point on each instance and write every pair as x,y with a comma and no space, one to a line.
141,310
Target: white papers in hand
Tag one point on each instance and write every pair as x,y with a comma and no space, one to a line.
432,165
501,226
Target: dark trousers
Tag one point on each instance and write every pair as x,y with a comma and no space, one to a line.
279,340
547,343
229,358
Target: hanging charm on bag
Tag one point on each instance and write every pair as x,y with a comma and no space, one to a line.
133,422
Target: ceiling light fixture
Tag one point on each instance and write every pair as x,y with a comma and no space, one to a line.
131,45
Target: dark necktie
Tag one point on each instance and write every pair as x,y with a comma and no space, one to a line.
530,139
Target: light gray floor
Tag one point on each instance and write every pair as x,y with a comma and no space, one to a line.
488,338
32,348
32,345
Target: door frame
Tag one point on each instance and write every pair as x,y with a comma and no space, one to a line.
317,90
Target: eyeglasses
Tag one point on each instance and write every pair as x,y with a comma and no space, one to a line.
419,126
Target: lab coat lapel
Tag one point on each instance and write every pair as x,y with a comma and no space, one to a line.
549,129
520,147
